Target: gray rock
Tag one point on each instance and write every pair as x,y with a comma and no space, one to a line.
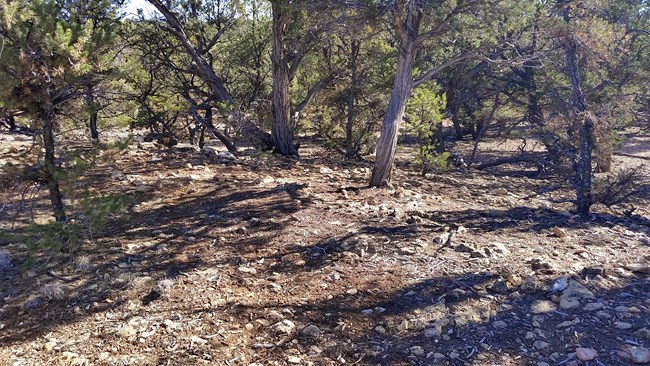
622,325
574,294
432,333
593,306
417,350
586,354
366,312
209,151
568,323
643,333
640,354
500,324
540,345
638,267
311,331
53,291
603,314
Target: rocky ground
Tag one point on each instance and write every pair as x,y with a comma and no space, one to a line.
262,260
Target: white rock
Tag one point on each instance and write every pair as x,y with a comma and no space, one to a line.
285,326
542,306
294,359
325,170
226,155
245,269
198,340
574,294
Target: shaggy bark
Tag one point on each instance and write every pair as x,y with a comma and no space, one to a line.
350,149
583,125
281,131
56,199
90,104
402,85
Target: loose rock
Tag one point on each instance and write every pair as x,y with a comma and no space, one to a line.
542,306
586,354
311,331
640,354
560,233
539,345
622,325
593,306
639,268
285,326
574,294
643,333
417,350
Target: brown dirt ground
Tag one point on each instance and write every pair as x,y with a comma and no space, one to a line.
229,262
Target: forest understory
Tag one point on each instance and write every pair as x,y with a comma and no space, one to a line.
266,260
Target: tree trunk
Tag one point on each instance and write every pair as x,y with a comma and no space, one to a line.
351,150
408,29
582,168
583,124
11,123
56,199
454,109
281,132
440,139
253,133
206,123
90,104
387,143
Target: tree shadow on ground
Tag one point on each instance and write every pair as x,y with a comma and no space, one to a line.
538,220
175,241
159,241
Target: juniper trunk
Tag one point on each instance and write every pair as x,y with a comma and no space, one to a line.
387,143
350,149
584,126
281,133
50,166
90,104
